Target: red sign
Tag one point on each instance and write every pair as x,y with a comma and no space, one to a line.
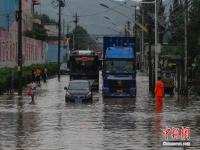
177,133
84,58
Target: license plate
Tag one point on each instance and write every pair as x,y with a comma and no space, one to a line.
119,91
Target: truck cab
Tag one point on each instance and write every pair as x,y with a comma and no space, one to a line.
119,72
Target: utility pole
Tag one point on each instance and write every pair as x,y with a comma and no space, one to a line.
125,30
156,42
63,27
135,28
128,27
60,4
8,18
149,61
19,19
186,48
135,31
142,52
74,35
68,36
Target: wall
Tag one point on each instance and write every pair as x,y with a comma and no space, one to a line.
7,13
8,10
53,53
34,51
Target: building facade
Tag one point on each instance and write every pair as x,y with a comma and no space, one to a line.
34,51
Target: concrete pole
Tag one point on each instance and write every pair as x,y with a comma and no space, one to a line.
142,52
19,19
59,38
156,42
186,48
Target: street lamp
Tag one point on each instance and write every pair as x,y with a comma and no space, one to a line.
106,17
60,4
104,5
114,24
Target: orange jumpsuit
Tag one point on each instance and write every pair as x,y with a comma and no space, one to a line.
159,93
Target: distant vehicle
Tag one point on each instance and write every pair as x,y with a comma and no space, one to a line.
78,89
100,55
168,78
168,73
119,67
64,68
84,64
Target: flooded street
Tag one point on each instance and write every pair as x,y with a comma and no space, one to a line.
105,124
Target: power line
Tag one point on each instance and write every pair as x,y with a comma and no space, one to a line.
102,12
68,5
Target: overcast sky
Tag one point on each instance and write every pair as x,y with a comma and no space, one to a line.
91,14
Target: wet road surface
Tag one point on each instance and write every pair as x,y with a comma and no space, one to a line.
105,124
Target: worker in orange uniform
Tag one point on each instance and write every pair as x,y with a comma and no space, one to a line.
159,93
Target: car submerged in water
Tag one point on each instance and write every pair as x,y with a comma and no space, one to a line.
78,90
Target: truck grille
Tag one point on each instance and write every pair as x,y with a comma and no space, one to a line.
120,85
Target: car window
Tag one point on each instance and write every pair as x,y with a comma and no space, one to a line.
63,65
79,86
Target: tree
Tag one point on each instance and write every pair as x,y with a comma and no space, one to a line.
38,32
176,22
194,29
82,39
149,19
45,19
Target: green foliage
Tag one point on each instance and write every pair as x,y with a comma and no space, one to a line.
38,32
9,76
45,19
149,10
172,50
176,26
82,39
194,29
176,22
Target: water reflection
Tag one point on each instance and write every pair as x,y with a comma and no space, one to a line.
117,114
105,124
118,123
27,124
159,106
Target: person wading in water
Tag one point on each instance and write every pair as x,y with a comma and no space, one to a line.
159,93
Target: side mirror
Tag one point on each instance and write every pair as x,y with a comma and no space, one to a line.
65,88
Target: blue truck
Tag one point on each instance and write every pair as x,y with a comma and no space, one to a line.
119,67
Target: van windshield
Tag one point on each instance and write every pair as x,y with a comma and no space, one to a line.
119,66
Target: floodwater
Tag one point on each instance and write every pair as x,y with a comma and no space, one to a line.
105,124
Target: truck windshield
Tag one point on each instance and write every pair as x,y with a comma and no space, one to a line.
119,66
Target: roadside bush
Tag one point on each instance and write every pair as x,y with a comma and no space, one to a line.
9,76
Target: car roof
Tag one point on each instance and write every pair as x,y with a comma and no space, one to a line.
78,81
63,64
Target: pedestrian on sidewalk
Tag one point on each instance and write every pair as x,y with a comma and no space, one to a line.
38,75
32,91
44,74
33,73
159,93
